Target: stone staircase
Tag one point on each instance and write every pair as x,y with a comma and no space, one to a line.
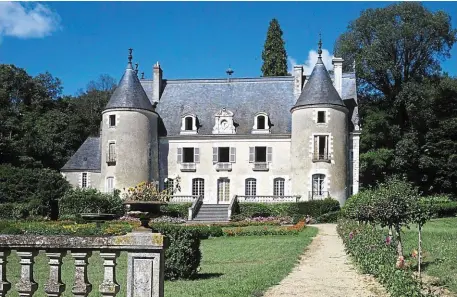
209,213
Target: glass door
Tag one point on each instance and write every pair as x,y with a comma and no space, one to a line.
223,190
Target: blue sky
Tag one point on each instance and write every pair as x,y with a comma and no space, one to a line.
78,41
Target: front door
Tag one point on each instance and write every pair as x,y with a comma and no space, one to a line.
223,190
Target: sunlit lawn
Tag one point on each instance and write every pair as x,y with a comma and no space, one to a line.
231,266
439,242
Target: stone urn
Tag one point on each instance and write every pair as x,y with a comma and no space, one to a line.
145,211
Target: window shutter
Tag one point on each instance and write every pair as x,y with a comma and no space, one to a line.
326,146
215,156
316,146
232,154
179,154
196,155
269,154
251,154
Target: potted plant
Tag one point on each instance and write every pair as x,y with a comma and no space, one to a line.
144,200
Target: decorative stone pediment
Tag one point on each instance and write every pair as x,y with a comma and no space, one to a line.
224,122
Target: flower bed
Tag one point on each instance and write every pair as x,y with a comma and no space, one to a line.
264,230
375,253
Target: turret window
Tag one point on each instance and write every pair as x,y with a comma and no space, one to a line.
321,117
112,120
321,151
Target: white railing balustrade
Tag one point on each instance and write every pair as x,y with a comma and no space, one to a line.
194,208
268,199
145,272
183,198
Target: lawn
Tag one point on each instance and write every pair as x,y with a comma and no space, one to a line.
231,266
439,243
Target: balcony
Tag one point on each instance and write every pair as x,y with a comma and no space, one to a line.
223,166
321,157
260,166
313,195
268,199
111,158
144,252
188,167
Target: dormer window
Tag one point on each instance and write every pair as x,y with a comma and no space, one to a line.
189,124
261,124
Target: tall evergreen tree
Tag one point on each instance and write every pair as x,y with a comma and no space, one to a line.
274,54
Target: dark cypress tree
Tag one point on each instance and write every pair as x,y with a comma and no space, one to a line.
274,54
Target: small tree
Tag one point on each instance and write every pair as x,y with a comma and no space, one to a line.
274,54
395,206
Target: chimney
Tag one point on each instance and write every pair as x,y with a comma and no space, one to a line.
298,80
157,82
338,75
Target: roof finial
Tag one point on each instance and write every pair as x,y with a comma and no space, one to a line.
130,55
136,68
229,71
319,51
142,75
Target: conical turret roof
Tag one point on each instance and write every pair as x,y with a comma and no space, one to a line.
319,89
129,93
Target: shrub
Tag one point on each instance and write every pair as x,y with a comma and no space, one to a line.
36,190
183,255
359,207
179,210
441,206
77,201
375,254
265,230
330,217
313,208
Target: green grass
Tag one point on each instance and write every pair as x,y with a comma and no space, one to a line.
439,243
231,266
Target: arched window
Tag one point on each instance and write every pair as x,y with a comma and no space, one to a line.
189,123
261,122
198,187
278,186
251,187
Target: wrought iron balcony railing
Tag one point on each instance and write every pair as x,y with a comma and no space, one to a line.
321,157
318,195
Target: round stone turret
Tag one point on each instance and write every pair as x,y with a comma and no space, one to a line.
129,137
319,147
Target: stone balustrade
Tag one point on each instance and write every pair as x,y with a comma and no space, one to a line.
175,199
145,268
268,199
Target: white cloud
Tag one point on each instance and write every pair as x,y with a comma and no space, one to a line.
27,20
308,65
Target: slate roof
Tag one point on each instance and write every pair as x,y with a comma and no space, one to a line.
319,89
129,92
87,157
244,97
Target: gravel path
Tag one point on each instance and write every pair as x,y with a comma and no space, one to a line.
326,271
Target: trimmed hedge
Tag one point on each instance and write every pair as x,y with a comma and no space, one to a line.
33,192
179,210
266,230
183,255
330,217
77,201
312,208
375,255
